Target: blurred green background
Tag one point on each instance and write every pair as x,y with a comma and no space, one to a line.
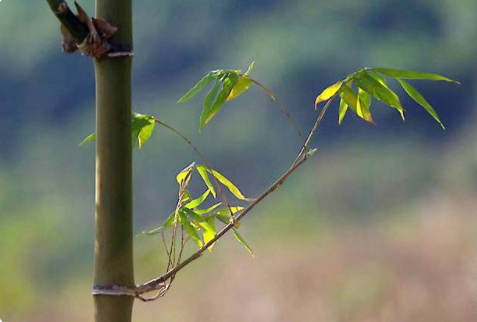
379,226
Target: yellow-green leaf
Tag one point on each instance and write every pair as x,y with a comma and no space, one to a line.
190,229
377,90
411,74
418,98
201,84
210,233
145,133
329,92
250,68
207,210
197,202
138,123
213,103
351,99
362,105
209,100
90,138
227,183
185,172
205,177
241,86
243,242
342,110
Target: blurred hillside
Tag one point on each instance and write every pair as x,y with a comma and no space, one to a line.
368,176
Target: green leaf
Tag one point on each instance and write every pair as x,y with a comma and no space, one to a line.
197,202
185,172
208,104
241,86
416,96
342,110
411,74
329,92
207,210
145,133
192,214
249,69
351,99
224,214
201,84
379,91
138,123
210,110
210,233
227,183
142,127
243,242
362,105
167,223
190,229
205,177
170,220
90,138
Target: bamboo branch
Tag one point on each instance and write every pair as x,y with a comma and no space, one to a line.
159,283
69,20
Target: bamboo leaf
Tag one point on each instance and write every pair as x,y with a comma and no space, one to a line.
208,104
362,105
185,173
379,91
145,133
142,127
210,233
201,84
329,92
352,100
211,109
207,210
90,138
167,223
197,202
205,177
190,229
418,98
249,69
411,74
243,242
342,110
242,85
227,183
138,123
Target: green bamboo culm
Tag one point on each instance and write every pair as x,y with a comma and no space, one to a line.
114,230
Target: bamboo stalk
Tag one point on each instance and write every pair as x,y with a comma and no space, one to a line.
114,229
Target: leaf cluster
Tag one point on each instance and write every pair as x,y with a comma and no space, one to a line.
199,221
358,89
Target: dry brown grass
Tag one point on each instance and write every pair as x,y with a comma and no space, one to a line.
421,269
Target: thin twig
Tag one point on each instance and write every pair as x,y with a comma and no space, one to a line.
203,159
280,105
306,143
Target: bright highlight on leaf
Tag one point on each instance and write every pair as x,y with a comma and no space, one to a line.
328,93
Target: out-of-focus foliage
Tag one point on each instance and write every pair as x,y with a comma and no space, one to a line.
46,181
